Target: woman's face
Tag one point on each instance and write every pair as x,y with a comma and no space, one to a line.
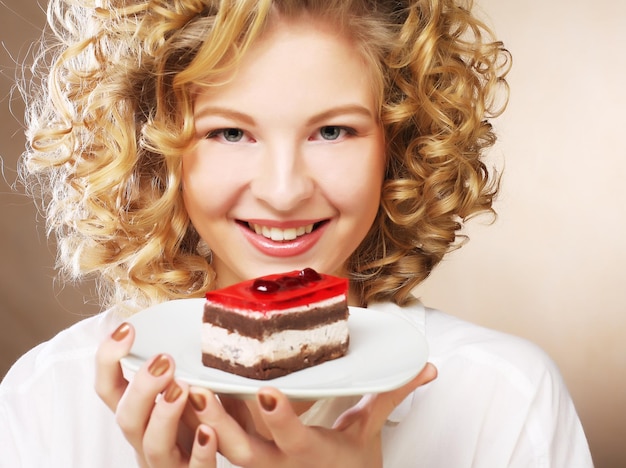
288,169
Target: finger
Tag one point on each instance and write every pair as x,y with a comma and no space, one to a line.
136,405
390,400
289,434
373,410
239,410
204,451
110,383
232,440
161,438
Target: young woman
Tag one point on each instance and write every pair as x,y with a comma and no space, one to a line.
187,145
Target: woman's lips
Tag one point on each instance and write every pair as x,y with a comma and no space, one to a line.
282,241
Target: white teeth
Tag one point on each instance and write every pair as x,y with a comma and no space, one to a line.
289,234
278,234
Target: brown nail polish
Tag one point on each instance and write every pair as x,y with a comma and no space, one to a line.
121,332
159,366
203,437
172,392
268,402
197,401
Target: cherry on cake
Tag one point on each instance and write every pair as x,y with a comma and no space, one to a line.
275,325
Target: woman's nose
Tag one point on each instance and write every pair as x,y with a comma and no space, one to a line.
282,180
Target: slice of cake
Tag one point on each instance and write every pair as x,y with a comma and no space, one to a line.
277,324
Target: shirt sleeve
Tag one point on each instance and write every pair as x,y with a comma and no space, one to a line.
23,418
498,401
8,447
50,414
551,434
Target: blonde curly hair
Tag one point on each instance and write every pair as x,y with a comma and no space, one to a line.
113,114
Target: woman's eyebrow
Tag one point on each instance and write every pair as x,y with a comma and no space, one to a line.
347,109
224,112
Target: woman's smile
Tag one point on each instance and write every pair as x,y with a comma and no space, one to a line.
283,241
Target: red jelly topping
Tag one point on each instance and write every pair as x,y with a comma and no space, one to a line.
280,291
286,282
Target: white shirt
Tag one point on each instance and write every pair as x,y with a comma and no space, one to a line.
498,401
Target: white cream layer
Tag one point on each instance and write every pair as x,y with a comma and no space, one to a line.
281,345
255,314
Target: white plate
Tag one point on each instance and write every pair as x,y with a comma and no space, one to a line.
386,351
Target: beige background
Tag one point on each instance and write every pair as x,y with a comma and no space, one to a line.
550,268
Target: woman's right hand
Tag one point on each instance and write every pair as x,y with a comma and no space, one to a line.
149,408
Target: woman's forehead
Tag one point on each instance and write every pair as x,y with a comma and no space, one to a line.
276,33
302,62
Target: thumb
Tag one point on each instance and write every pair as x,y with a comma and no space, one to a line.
377,407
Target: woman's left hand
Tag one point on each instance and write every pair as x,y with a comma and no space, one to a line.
149,408
354,440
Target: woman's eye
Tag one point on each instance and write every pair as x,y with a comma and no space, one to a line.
232,135
331,132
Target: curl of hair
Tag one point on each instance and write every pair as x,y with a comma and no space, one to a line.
114,113
445,75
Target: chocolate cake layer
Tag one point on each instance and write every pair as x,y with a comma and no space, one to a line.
259,328
265,369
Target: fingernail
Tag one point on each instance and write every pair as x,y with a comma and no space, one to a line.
172,392
159,366
121,332
203,437
268,402
197,401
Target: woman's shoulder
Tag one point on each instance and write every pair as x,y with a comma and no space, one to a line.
452,340
75,343
47,399
492,386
